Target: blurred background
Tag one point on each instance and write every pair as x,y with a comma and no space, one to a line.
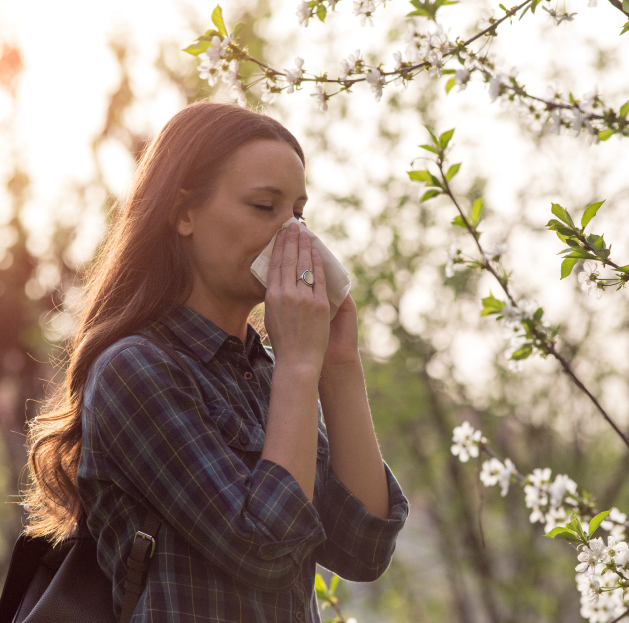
84,85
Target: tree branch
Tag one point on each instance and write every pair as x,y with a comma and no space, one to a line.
548,347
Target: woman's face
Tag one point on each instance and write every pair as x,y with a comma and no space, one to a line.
261,187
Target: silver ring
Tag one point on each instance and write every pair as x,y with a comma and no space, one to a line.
311,278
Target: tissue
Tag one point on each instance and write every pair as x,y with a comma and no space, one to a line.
337,278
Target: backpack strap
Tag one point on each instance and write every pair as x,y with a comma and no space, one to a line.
143,546
142,551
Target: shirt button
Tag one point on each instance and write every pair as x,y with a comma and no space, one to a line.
299,616
243,439
321,450
248,375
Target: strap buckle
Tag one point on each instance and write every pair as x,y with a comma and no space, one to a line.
146,537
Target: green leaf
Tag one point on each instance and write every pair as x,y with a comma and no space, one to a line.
534,5
429,194
567,266
321,12
217,20
562,214
523,352
624,110
622,269
458,221
334,583
491,305
595,522
539,312
450,84
419,176
524,12
605,134
625,29
452,171
199,46
590,211
582,255
562,533
429,148
435,140
321,588
444,139
554,224
596,242
625,6
477,208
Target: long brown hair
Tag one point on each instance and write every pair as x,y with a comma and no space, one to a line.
140,273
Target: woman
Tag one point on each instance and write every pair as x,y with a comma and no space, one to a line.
251,487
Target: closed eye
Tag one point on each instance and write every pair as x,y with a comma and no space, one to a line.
298,215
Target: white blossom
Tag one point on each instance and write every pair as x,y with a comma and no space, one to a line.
592,554
556,118
560,488
559,17
321,98
462,77
490,472
304,13
486,20
435,59
495,84
268,94
353,64
588,279
611,523
466,441
364,10
495,251
293,76
504,478
455,261
376,81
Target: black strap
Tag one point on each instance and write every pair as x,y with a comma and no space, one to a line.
142,550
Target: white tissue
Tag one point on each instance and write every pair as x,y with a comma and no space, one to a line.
337,278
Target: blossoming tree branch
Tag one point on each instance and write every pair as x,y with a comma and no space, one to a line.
428,49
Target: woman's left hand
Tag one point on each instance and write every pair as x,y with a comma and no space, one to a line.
343,341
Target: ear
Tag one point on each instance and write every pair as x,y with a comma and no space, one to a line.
180,216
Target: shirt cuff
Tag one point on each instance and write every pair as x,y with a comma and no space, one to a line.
351,527
284,514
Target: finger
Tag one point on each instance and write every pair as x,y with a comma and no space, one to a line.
319,288
289,257
274,276
304,260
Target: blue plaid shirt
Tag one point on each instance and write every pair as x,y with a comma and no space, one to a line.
239,539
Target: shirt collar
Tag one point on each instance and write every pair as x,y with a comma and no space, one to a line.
203,337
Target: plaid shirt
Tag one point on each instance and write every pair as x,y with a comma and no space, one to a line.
239,539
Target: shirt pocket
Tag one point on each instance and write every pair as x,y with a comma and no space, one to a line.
244,439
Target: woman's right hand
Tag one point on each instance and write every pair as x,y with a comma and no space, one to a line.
297,316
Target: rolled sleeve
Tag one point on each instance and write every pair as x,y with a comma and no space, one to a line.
159,444
360,545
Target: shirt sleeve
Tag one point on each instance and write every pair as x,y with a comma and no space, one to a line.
163,448
360,545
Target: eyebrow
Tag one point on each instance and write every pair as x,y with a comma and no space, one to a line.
277,191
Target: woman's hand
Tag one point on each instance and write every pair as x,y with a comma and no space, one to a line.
343,342
297,316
